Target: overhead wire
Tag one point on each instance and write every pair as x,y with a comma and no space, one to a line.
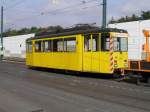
71,6
14,5
68,10
83,8
57,11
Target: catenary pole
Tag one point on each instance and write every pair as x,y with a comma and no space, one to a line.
1,55
104,20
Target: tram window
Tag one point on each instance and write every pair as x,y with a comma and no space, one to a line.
105,42
95,42
57,45
65,45
87,43
47,46
70,44
38,46
120,44
29,47
124,44
116,44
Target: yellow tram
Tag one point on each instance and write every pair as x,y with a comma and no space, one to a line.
94,50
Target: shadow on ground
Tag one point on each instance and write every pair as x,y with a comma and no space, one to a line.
75,73
89,75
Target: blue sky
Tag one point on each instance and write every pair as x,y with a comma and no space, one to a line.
28,13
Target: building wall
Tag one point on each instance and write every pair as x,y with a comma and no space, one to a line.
15,46
136,37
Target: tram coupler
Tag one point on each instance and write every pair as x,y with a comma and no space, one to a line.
119,74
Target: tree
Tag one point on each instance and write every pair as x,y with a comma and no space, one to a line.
145,15
112,20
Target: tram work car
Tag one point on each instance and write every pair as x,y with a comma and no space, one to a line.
93,50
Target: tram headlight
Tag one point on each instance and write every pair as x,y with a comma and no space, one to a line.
115,65
126,65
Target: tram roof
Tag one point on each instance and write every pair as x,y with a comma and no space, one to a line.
67,32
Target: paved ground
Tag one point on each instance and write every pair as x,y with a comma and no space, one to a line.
26,90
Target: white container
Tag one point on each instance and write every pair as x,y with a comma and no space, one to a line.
136,37
15,46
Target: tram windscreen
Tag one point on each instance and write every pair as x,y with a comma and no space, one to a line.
120,44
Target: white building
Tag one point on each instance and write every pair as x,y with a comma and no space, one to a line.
136,37
15,46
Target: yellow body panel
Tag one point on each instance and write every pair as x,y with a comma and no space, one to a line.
29,59
68,61
95,62
98,62
104,62
87,62
121,58
59,60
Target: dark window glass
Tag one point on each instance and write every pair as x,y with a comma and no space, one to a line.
87,43
95,42
57,45
38,46
47,46
105,42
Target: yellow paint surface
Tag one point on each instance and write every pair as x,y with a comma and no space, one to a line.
98,62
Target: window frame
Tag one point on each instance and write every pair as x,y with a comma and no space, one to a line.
74,39
50,46
98,42
103,42
87,43
120,44
53,45
28,50
90,42
41,46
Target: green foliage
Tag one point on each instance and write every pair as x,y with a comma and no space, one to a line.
144,16
35,30
48,30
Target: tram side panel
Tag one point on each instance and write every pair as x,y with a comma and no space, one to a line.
97,56
29,53
94,60
90,54
67,60
73,60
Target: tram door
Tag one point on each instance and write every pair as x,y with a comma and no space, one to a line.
95,58
105,53
91,56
